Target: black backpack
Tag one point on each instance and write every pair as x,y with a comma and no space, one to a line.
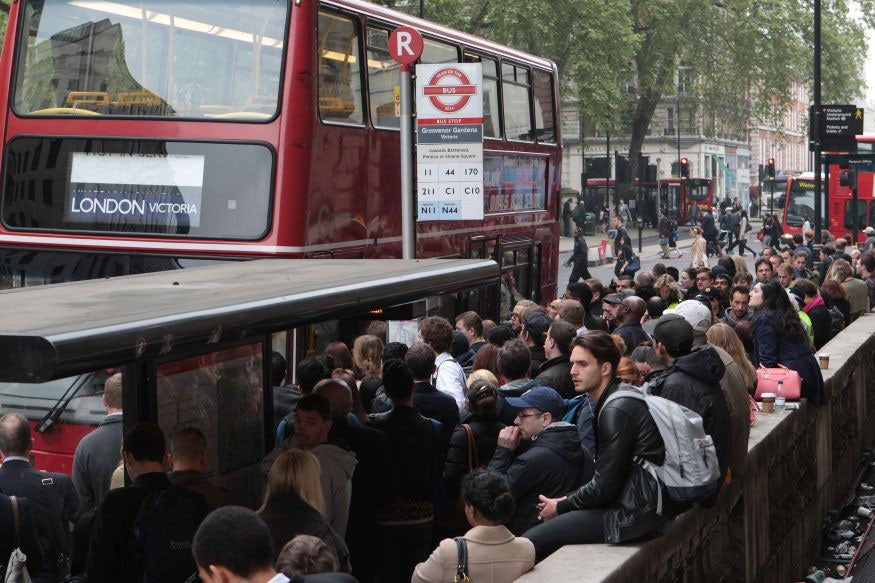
163,534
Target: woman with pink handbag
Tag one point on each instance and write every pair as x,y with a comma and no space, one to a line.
782,346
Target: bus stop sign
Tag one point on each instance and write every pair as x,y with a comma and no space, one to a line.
405,45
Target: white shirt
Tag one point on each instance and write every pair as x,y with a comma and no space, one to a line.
450,379
279,578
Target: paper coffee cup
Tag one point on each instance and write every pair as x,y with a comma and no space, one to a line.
823,359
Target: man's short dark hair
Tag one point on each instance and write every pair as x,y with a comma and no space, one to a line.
646,354
420,360
705,271
394,350
315,403
471,320
437,333
397,380
760,261
15,434
514,360
581,292
145,442
867,260
596,286
235,538
740,289
628,278
188,444
311,370
277,368
602,347
562,334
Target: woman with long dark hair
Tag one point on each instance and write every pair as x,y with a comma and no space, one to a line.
779,337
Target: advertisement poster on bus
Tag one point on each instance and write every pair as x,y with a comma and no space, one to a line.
449,131
143,189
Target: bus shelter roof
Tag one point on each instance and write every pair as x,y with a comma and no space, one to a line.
66,329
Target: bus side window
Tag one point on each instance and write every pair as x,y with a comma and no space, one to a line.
435,53
383,88
545,121
517,102
491,109
340,90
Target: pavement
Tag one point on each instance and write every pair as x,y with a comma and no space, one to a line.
649,254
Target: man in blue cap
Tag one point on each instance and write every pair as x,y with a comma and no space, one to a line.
555,461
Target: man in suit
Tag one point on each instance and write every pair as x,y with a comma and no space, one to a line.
53,500
99,452
429,401
188,457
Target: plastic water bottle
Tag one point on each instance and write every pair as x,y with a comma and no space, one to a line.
780,398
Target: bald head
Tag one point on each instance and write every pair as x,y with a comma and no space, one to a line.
15,435
188,450
338,395
636,310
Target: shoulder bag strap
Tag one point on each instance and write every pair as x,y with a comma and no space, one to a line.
462,564
473,457
16,521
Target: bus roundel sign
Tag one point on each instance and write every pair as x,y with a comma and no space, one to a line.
405,45
449,90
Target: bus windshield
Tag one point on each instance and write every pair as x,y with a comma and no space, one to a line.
180,59
698,189
800,203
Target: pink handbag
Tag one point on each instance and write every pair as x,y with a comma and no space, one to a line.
767,382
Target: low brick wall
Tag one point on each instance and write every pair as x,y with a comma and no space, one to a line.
767,525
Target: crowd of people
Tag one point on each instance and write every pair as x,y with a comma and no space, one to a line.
497,442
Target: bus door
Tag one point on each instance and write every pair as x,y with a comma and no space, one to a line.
485,300
523,259
669,201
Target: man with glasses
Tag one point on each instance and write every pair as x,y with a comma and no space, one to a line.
704,278
553,465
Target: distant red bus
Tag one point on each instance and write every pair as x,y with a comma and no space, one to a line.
836,201
675,196
150,135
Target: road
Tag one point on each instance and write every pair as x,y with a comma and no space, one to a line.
650,255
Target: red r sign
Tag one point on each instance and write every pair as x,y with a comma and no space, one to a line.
405,45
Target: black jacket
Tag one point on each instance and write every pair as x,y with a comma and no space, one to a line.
556,373
538,357
53,504
439,406
27,539
694,382
485,433
287,516
552,466
821,326
215,496
621,487
412,445
111,558
632,334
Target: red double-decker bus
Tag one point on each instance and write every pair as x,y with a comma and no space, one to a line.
149,135
675,196
142,136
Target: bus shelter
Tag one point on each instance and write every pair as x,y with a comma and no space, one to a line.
195,345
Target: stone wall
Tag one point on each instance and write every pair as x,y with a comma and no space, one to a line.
767,525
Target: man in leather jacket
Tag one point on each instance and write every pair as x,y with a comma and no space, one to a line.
620,503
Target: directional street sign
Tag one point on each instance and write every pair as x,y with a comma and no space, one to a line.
839,126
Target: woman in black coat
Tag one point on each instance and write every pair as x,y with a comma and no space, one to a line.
779,338
814,305
482,419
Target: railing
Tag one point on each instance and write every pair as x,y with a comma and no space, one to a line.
766,526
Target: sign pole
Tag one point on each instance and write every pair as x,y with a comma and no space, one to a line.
408,229
405,47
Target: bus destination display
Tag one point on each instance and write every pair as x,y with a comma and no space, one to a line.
144,189
449,152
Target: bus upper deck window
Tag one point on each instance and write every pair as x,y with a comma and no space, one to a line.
434,52
545,120
383,85
340,90
517,102
491,109
151,59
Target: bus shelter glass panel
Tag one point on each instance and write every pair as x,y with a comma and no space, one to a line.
181,59
221,394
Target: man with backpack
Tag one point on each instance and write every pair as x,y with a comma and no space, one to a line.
621,502
692,379
51,497
145,530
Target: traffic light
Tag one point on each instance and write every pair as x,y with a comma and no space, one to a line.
685,168
848,178
771,168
